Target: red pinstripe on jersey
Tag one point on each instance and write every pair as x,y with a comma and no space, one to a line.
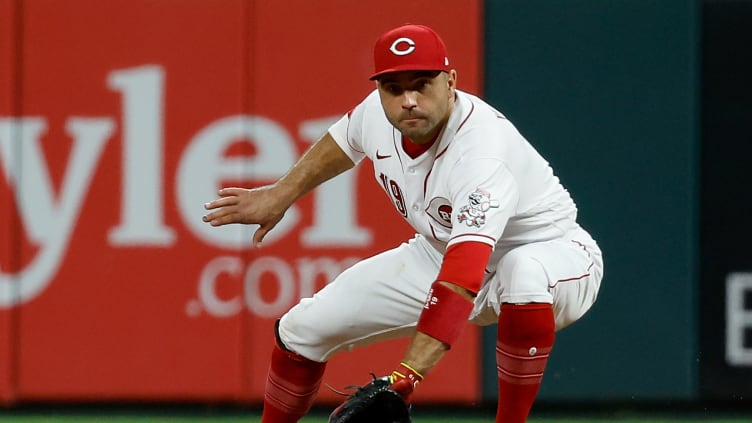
472,109
493,240
576,278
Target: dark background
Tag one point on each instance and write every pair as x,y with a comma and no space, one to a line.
726,201
644,109
608,92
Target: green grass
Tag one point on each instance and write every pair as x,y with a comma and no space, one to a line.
218,414
239,420
255,419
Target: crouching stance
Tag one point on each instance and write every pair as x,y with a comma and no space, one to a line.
497,239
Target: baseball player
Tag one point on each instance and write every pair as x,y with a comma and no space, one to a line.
497,240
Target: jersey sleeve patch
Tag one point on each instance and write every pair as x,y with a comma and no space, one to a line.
473,214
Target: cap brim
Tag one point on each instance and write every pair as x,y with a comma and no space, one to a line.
407,68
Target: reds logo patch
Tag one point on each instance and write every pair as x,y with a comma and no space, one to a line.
402,46
474,214
440,209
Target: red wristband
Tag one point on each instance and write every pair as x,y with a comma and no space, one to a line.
465,263
404,380
444,314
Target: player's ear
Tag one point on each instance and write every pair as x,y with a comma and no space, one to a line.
452,81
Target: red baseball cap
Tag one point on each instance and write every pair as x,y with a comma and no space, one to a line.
409,47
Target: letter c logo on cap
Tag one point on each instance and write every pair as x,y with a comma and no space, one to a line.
400,50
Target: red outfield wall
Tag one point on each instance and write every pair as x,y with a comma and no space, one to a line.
8,230
118,120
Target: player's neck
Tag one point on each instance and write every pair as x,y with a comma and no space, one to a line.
414,150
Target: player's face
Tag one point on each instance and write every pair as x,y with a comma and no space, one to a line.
418,103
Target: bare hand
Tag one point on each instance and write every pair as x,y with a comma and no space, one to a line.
247,206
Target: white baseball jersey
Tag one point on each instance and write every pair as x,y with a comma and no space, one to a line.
480,181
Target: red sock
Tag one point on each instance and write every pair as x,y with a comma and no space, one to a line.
291,386
525,338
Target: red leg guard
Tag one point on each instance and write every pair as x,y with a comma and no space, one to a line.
525,339
291,386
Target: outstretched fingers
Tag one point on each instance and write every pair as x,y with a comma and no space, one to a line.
245,206
225,208
222,217
228,199
232,191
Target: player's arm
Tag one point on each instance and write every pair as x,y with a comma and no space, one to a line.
445,313
267,205
323,161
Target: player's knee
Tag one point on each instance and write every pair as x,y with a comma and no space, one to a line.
565,317
298,336
566,313
523,275
278,339
529,268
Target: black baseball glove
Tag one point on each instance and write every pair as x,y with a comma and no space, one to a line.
375,402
